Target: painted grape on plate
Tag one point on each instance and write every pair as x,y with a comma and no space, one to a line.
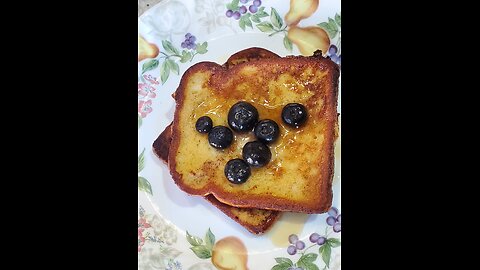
324,242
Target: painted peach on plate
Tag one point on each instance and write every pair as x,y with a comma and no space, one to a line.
299,10
230,253
309,39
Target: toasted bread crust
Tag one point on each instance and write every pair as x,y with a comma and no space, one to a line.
322,195
257,221
247,55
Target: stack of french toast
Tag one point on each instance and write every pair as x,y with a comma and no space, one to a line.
255,136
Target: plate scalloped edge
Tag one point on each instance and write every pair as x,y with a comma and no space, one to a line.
162,244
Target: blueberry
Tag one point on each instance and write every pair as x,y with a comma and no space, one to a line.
253,9
257,3
242,10
267,131
256,153
229,13
242,116
184,45
237,171
321,240
188,35
204,124
314,237
337,227
331,221
339,218
220,137
291,250
192,39
294,114
292,238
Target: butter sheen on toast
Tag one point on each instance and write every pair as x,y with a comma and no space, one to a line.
255,220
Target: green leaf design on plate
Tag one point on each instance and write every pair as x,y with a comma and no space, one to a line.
306,261
276,19
333,24
246,18
173,66
265,27
168,46
193,240
326,251
261,13
310,257
209,239
149,65
144,185
139,120
255,18
287,43
333,242
233,5
338,19
241,23
186,56
202,252
202,48
282,260
282,266
331,27
164,72
248,23
307,265
141,161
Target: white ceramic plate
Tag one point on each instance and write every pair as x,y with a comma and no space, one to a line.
165,212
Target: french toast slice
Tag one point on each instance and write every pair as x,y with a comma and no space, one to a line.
299,175
255,220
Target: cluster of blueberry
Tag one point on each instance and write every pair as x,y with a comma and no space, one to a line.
243,117
253,8
189,42
332,52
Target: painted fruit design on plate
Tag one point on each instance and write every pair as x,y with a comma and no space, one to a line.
225,254
230,253
300,9
146,50
309,39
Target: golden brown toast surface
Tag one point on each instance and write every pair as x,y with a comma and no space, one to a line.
254,220
299,175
